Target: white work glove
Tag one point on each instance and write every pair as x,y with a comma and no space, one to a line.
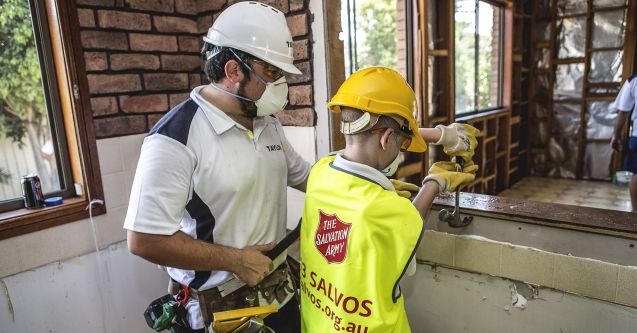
458,140
448,177
404,189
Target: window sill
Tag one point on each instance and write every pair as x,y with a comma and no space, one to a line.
23,221
595,220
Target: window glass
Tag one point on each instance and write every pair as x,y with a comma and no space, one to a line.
28,144
478,56
374,34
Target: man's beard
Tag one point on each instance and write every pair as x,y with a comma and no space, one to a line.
247,107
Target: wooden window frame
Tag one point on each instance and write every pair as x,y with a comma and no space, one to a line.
73,92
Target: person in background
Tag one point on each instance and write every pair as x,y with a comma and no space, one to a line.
358,237
209,194
627,115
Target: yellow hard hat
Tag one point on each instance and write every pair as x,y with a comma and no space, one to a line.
380,91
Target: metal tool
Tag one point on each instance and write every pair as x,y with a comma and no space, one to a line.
453,219
234,284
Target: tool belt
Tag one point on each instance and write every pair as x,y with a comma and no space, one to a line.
275,286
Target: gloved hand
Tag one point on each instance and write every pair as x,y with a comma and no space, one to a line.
458,140
447,176
404,189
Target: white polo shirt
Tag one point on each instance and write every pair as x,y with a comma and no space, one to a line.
202,173
625,101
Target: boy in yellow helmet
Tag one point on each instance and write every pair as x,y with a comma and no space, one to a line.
358,236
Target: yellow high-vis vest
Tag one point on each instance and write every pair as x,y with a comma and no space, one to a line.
357,240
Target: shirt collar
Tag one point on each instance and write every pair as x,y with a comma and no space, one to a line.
364,171
220,121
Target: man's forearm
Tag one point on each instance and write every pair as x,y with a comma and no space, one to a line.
620,122
181,251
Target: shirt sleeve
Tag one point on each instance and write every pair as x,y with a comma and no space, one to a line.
298,168
161,186
625,100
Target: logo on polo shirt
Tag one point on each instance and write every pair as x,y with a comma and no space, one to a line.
331,237
273,147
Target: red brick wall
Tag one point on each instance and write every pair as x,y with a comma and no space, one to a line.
142,58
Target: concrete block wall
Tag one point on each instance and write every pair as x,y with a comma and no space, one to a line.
142,58
583,276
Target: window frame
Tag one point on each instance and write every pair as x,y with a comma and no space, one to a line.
52,103
501,62
75,132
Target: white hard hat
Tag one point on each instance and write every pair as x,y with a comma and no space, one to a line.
257,29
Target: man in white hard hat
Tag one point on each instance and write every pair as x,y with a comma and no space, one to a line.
209,195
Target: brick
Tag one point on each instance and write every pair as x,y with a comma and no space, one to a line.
144,103
102,106
190,7
300,95
126,61
101,3
298,117
194,80
165,81
153,119
306,75
175,99
123,20
300,49
113,83
297,24
86,18
204,23
211,5
282,5
119,126
164,6
189,44
95,61
296,5
143,42
184,63
175,24
104,40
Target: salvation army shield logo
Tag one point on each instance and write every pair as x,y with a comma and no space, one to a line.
331,237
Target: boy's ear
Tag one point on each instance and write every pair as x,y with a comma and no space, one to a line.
384,138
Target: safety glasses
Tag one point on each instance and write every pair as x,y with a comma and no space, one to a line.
273,72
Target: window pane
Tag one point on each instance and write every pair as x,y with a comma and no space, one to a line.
601,120
566,118
26,144
568,81
477,65
465,55
609,3
374,34
566,7
488,56
608,29
570,37
606,66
